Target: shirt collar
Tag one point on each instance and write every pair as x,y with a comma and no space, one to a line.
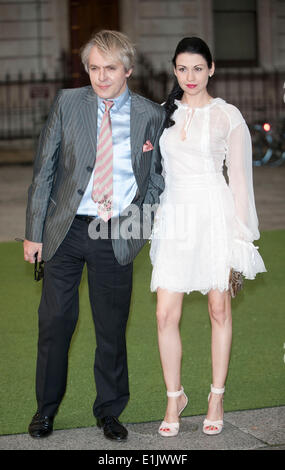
118,102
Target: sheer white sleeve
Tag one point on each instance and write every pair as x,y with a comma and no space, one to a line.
245,257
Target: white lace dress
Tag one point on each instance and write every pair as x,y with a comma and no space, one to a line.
204,226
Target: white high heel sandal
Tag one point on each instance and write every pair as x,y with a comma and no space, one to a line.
214,427
172,429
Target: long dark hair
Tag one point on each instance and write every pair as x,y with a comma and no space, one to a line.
193,45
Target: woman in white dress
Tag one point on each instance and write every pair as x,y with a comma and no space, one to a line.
204,226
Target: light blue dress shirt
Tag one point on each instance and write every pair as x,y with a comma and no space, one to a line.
124,182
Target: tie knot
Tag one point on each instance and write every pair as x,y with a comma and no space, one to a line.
108,105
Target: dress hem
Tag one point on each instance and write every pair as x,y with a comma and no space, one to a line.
187,291
202,291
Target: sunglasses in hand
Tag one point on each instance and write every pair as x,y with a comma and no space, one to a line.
39,269
39,266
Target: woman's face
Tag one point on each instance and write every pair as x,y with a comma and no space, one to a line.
192,73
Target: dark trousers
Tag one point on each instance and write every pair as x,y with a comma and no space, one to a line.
110,286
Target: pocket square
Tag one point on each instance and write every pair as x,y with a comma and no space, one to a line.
147,146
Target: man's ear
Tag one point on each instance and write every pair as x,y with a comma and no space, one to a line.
129,73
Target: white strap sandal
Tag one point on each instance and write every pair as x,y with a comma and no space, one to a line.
213,427
172,429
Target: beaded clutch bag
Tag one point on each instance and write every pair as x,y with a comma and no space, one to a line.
235,282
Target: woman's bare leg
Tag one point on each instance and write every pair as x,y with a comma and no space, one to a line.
219,304
169,309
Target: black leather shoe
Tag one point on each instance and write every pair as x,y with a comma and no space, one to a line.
112,428
41,426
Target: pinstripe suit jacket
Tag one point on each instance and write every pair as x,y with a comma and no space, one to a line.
65,157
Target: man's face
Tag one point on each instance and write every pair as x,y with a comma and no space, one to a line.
107,74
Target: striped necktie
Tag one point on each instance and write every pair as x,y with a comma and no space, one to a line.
102,191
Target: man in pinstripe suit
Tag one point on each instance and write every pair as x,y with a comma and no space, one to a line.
59,212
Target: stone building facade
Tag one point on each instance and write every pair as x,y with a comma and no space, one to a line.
40,42
36,35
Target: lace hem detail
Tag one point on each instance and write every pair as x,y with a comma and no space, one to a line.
246,259
172,289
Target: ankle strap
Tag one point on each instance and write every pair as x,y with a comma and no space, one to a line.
219,391
175,394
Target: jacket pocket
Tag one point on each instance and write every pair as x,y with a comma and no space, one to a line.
51,208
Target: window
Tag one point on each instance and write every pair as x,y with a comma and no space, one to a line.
235,33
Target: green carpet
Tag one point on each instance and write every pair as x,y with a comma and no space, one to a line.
257,370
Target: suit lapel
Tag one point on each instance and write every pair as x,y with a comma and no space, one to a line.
89,118
137,126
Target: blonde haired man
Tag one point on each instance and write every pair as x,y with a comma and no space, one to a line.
63,204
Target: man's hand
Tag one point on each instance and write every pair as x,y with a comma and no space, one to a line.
30,249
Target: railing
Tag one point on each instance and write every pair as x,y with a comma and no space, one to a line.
153,85
24,105
259,95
